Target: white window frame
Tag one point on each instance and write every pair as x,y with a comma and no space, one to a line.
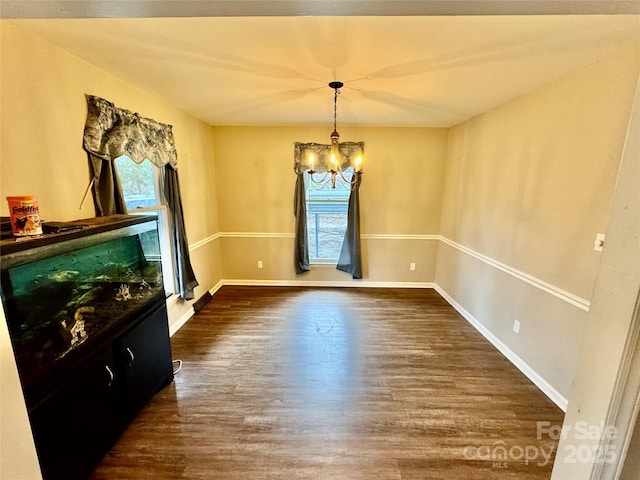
164,233
166,245
308,201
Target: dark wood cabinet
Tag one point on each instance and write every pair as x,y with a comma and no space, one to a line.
78,423
145,356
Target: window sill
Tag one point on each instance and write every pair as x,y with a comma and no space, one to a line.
173,298
323,263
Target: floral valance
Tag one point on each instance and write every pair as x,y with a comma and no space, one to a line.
349,151
111,132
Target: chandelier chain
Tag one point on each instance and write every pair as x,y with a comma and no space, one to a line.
335,108
334,166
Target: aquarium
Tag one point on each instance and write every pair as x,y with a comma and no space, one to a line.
63,292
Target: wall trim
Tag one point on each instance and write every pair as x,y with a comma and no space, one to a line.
216,287
370,236
547,287
256,235
203,242
186,316
575,300
324,283
385,236
555,396
581,303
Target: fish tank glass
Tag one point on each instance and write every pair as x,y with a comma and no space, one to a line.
61,297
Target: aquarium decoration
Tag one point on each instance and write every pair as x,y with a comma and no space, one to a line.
123,293
75,329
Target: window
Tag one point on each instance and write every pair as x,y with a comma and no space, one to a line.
327,218
141,189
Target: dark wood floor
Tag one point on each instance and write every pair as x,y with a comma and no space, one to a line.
292,383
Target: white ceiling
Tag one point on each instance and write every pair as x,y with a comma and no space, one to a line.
398,70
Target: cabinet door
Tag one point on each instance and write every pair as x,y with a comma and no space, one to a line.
75,426
146,357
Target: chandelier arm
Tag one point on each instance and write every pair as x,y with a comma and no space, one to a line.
324,177
350,182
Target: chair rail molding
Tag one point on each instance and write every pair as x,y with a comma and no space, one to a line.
575,300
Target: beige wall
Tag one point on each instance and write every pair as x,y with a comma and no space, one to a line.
42,119
18,459
400,196
605,384
43,114
529,184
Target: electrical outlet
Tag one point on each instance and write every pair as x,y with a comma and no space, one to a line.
516,326
259,263
412,266
599,242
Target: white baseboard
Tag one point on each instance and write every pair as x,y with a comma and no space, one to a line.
190,312
529,372
325,283
173,328
216,287
296,283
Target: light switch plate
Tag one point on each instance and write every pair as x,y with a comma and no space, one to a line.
599,242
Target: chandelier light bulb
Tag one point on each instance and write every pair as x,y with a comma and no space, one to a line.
333,161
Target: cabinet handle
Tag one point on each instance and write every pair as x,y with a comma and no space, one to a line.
132,358
111,376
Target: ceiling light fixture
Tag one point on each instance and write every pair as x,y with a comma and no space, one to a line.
340,155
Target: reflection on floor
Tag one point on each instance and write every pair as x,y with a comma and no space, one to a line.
294,383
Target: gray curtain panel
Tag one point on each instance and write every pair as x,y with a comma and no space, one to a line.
350,259
171,190
108,197
111,132
301,248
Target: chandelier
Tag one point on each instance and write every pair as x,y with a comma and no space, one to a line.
330,161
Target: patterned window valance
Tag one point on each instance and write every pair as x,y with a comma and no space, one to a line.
111,132
349,151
